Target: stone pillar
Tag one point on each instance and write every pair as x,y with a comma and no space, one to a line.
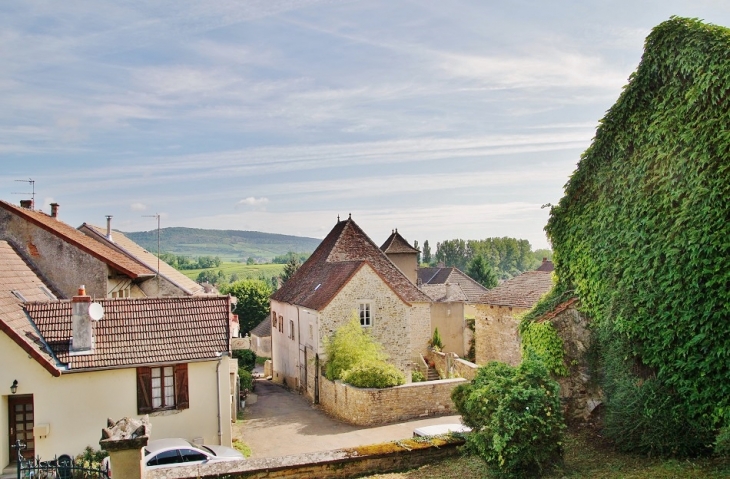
125,441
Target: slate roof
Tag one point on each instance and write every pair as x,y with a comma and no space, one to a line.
396,244
472,290
16,275
341,254
142,331
263,329
546,265
134,251
71,235
522,291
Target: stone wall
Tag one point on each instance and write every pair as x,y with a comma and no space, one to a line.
343,463
453,367
369,407
496,334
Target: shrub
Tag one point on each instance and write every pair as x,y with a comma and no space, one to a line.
436,342
516,418
246,359
417,376
245,380
349,346
91,458
377,374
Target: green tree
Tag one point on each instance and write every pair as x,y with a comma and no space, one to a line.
426,252
253,301
250,261
418,258
452,253
482,272
290,268
516,417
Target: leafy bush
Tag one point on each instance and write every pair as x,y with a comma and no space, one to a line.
349,346
245,380
91,458
246,359
641,234
417,376
378,374
516,418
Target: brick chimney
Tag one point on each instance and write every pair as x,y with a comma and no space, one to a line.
109,228
54,210
81,337
27,204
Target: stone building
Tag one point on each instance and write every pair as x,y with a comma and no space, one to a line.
347,276
497,316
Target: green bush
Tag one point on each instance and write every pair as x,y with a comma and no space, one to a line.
245,380
436,342
516,418
246,359
378,374
417,376
349,346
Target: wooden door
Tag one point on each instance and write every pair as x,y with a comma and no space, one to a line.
20,409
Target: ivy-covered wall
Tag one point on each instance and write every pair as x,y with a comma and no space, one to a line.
642,236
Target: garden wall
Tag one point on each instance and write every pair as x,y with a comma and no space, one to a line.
455,367
369,407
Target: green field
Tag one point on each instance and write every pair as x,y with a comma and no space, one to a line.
243,270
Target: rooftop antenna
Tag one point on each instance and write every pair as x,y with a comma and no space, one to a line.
157,215
32,193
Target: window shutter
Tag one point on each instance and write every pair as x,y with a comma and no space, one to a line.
182,400
144,387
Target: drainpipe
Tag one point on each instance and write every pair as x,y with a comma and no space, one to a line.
218,395
299,353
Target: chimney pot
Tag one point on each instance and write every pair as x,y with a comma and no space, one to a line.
109,228
544,259
54,210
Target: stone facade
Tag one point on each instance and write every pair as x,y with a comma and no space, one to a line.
370,407
496,334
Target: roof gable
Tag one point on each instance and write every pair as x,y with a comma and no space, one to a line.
522,291
71,235
340,255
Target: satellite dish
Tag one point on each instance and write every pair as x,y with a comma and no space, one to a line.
96,311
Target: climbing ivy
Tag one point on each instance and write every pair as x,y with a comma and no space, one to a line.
542,340
642,232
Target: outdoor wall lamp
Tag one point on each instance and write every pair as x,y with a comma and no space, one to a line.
14,387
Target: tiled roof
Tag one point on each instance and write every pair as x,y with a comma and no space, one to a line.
438,292
471,289
343,252
263,329
16,275
522,291
134,251
546,266
71,235
397,244
557,310
140,331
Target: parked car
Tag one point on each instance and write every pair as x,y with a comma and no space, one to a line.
440,429
180,452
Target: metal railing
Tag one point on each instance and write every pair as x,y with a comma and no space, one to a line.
61,467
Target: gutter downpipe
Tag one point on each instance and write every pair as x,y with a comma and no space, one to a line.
299,352
218,394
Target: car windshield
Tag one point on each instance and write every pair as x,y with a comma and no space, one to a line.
211,451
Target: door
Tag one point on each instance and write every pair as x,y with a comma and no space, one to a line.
20,409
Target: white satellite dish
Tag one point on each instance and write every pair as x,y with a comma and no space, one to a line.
96,311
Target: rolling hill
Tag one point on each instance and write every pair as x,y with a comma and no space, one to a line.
229,245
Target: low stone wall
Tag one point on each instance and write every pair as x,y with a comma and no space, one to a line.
454,367
369,407
343,463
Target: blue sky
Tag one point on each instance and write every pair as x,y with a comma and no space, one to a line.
445,120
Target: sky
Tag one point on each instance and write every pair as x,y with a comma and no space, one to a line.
445,120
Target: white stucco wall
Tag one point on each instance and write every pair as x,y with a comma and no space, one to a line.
287,354
76,406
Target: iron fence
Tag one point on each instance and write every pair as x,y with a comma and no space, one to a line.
61,467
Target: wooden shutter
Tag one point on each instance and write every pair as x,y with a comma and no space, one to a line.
182,400
144,390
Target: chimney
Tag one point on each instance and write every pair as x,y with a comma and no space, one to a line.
27,204
81,338
449,290
544,260
54,210
109,228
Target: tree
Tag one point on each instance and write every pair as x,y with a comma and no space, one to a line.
250,261
418,258
480,271
452,253
290,268
426,252
253,301
516,418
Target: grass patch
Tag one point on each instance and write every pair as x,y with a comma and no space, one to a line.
243,270
242,447
586,455
260,360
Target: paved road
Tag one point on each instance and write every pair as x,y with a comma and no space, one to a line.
281,423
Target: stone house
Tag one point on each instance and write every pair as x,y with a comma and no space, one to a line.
69,371
261,339
455,296
67,258
497,320
346,276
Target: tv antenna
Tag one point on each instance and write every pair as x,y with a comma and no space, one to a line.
32,193
157,215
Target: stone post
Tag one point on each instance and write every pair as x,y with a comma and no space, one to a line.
125,441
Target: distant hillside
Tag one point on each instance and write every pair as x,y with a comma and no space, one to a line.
230,245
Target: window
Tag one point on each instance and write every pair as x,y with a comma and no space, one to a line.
273,319
281,324
162,388
291,330
366,317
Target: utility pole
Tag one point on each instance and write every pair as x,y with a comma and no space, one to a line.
157,215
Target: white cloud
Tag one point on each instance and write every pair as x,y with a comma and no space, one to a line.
251,201
138,207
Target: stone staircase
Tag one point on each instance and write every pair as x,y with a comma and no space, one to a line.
432,375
